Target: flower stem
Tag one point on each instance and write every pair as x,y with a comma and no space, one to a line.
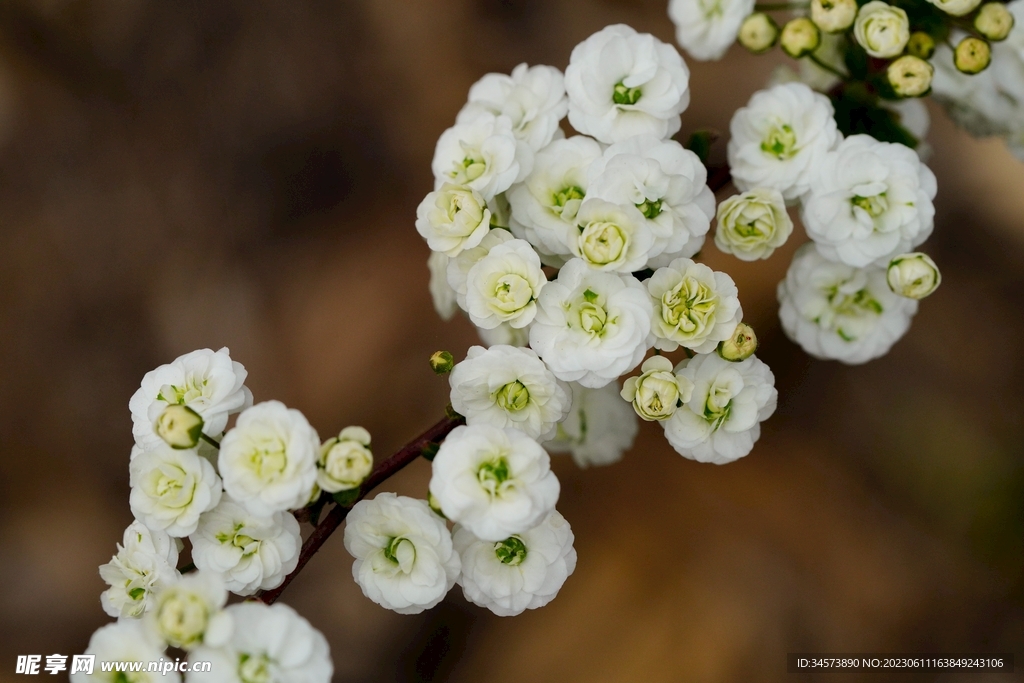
827,67
330,523
210,440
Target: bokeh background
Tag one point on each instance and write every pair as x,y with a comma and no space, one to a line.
188,174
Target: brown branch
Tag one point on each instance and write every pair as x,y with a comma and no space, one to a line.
329,524
718,178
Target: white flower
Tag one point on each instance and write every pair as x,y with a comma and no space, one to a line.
251,552
611,236
453,218
268,460
208,382
591,326
171,488
622,83
599,428
882,29
441,293
404,556
722,419
694,306
503,286
524,571
270,644
459,267
483,155
495,482
657,392
957,8
666,183
753,225
544,206
189,612
144,563
507,386
533,98
833,16
345,460
779,138
914,276
839,312
125,641
869,200
707,28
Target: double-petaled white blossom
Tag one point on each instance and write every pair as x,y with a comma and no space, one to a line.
693,306
483,155
658,391
599,428
345,460
611,237
144,563
250,552
622,83
882,29
722,418
839,312
779,138
404,559
753,225
171,488
503,286
591,326
190,611
208,382
868,201
666,183
505,386
495,482
524,571
268,460
453,218
707,28
460,266
127,640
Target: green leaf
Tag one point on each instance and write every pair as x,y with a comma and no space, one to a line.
346,498
700,143
858,112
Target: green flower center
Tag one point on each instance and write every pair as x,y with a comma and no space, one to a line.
567,194
511,551
602,242
492,475
874,206
780,142
689,306
190,391
625,95
650,209
513,397
254,669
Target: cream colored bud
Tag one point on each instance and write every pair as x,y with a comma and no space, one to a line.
994,21
758,32
800,37
914,276
740,346
179,426
921,45
881,29
833,16
442,362
956,8
345,460
657,393
910,76
972,55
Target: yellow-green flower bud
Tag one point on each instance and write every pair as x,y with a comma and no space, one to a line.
833,16
442,362
921,45
972,55
994,21
345,461
758,32
914,276
179,426
800,37
910,76
740,346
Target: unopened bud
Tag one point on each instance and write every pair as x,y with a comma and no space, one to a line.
910,76
921,45
758,32
345,461
833,16
972,55
800,37
442,362
994,21
740,346
914,276
179,426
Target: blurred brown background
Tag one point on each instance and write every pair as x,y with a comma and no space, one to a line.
186,174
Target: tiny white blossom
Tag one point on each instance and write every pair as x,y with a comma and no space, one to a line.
694,306
598,429
622,83
144,563
839,312
251,552
171,488
125,641
657,392
345,460
441,293
268,460
453,218
404,560
495,482
611,237
753,225
522,572
460,266
483,155
190,612
208,382
882,29
503,286
707,28
591,326
868,201
507,386
780,137
722,419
